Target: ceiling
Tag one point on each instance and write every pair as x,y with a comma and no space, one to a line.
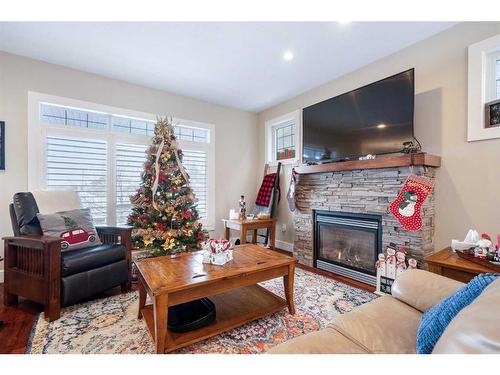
238,64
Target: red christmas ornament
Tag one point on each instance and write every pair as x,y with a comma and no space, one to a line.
406,207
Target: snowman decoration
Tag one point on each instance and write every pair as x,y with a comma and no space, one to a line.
407,207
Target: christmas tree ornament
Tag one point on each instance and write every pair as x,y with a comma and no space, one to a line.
158,215
406,207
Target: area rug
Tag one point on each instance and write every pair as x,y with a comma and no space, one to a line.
110,325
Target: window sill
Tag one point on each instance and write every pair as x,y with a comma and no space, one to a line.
293,161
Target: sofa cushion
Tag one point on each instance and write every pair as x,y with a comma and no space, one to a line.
436,320
326,341
475,328
385,325
75,261
83,285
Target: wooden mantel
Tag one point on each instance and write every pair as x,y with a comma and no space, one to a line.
393,161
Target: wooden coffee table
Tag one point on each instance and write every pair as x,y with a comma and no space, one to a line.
171,280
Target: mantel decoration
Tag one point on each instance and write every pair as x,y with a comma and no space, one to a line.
479,249
2,145
164,212
218,252
390,265
406,207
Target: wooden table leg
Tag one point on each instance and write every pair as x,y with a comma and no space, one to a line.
160,309
227,233
142,299
254,236
272,237
243,234
288,281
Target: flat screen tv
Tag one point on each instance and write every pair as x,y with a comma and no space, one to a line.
374,119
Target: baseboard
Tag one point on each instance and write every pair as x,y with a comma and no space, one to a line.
282,245
287,246
1,276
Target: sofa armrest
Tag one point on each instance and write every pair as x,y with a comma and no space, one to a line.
422,289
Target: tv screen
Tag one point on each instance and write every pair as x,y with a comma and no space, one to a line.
374,119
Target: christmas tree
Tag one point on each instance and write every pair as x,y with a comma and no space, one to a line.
164,211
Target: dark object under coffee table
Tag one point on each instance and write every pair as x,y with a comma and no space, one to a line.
233,288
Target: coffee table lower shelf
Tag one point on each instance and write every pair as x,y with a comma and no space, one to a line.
233,309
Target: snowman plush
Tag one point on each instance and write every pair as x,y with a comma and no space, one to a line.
407,207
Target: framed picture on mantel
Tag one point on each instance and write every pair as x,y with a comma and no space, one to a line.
2,145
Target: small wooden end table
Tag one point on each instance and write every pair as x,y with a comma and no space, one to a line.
449,264
243,226
233,287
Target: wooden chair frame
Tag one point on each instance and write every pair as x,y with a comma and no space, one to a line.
33,267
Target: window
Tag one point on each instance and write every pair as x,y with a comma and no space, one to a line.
100,151
282,138
483,88
493,76
52,114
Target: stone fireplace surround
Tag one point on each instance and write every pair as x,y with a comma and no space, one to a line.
368,191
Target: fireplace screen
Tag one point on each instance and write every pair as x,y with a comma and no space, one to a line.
347,246
349,241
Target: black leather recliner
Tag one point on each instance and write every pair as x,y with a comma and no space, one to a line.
37,269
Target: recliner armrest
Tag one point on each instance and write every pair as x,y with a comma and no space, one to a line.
31,241
422,289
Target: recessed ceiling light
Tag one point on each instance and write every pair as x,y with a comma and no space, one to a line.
343,22
381,126
288,56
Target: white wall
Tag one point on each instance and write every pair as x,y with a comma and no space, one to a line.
468,181
236,167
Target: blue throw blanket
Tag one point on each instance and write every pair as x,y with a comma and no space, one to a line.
437,318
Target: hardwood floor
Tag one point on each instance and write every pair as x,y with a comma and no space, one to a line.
18,320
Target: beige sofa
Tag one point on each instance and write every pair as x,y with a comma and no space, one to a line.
389,324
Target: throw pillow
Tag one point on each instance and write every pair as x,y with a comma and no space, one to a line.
75,228
437,318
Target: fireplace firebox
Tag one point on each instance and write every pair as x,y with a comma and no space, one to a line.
347,244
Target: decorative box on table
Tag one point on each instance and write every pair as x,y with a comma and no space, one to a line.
218,252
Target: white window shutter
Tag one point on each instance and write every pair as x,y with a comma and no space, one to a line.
195,162
129,167
79,165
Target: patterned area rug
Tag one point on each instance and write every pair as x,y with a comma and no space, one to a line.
110,325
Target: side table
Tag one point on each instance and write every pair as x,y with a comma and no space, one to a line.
447,263
243,226
1,321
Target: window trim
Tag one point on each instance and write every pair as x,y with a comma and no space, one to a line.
38,131
271,125
479,88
